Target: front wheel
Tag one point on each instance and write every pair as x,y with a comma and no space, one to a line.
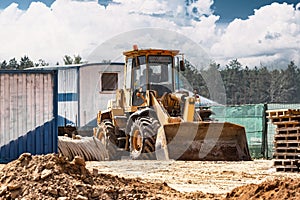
142,138
106,134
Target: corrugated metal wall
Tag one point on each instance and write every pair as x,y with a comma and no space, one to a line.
28,113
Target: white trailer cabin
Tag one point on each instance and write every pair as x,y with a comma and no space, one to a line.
83,90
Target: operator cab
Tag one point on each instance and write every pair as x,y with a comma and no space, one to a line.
150,69
155,74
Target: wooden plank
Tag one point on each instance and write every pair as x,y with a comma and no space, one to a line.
287,135
287,169
286,144
287,122
294,154
277,113
287,130
287,150
286,156
282,112
286,162
283,134
285,118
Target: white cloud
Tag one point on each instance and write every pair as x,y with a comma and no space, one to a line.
79,26
272,34
76,27
202,7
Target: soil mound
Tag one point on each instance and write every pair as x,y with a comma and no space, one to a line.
285,188
54,177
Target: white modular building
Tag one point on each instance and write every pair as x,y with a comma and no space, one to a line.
83,90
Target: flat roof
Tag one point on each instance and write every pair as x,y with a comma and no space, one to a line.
58,67
141,52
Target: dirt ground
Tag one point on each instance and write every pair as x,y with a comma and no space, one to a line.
53,177
216,177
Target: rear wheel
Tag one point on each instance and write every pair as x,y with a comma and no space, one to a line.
106,133
142,138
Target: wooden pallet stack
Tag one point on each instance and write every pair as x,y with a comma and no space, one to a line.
286,139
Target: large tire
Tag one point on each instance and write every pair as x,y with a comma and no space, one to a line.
142,138
106,134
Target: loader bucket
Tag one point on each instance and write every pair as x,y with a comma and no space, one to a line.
211,141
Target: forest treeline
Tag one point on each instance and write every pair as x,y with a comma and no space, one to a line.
244,85
26,62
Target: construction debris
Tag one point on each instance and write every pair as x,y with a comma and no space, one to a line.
88,148
286,139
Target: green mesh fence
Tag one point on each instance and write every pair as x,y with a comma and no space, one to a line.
252,117
259,132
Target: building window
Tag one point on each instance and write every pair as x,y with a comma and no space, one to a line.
109,81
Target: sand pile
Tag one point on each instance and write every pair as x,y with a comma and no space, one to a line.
285,188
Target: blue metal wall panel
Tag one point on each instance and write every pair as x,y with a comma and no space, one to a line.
67,97
28,113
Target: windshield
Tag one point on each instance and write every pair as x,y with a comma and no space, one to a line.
160,69
153,73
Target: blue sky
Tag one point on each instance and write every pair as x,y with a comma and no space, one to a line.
231,9
23,4
228,10
253,31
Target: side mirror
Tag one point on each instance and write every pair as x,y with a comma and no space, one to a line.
181,65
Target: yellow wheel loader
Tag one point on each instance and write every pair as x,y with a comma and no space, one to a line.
151,119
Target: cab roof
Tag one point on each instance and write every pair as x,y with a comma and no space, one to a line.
145,52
